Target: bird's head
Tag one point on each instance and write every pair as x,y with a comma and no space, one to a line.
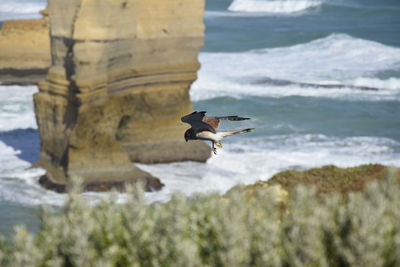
187,135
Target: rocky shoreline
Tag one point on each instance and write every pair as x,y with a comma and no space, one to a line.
150,184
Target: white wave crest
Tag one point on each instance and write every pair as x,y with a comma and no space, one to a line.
273,6
244,161
389,84
19,9
18,183
16,107
249,160
23,8
337,59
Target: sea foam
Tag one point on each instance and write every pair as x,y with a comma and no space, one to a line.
16,107
337,59
248,160
273,6
244,161
20,9
389,84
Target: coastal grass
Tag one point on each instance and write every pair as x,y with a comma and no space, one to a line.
361,229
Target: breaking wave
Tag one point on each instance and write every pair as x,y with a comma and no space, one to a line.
273,6
342,65
20,9
16,107
249,160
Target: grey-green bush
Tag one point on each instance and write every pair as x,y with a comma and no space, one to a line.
360,229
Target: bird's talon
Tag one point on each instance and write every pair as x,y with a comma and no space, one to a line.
218,144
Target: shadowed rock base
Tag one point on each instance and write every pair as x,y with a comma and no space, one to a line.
10,76
150,184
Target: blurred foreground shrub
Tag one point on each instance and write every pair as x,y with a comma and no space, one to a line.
361,229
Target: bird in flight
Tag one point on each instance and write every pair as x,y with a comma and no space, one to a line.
204,128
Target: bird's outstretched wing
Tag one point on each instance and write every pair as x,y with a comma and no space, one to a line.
195,119
215,121
194,116
200,122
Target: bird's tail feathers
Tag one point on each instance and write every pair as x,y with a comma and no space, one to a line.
233,118
232,132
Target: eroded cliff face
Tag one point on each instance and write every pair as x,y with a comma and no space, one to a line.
117,87
24,50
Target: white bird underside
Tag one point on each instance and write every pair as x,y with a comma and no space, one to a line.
217,137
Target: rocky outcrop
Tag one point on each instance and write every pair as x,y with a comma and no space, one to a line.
328,179
24,51
117,87
325,180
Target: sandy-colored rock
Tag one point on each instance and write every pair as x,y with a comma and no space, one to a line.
118,85
24,51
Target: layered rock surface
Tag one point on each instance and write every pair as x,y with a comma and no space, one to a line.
24,51
117,87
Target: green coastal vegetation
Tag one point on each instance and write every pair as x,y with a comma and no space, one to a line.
330,217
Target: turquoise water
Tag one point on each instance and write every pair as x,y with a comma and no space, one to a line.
320,80
304,115
372,20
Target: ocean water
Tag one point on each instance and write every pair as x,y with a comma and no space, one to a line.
320,80
21,9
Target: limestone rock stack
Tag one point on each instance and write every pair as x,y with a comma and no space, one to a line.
24,50
117,87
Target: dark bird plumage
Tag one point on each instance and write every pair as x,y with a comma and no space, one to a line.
204,128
